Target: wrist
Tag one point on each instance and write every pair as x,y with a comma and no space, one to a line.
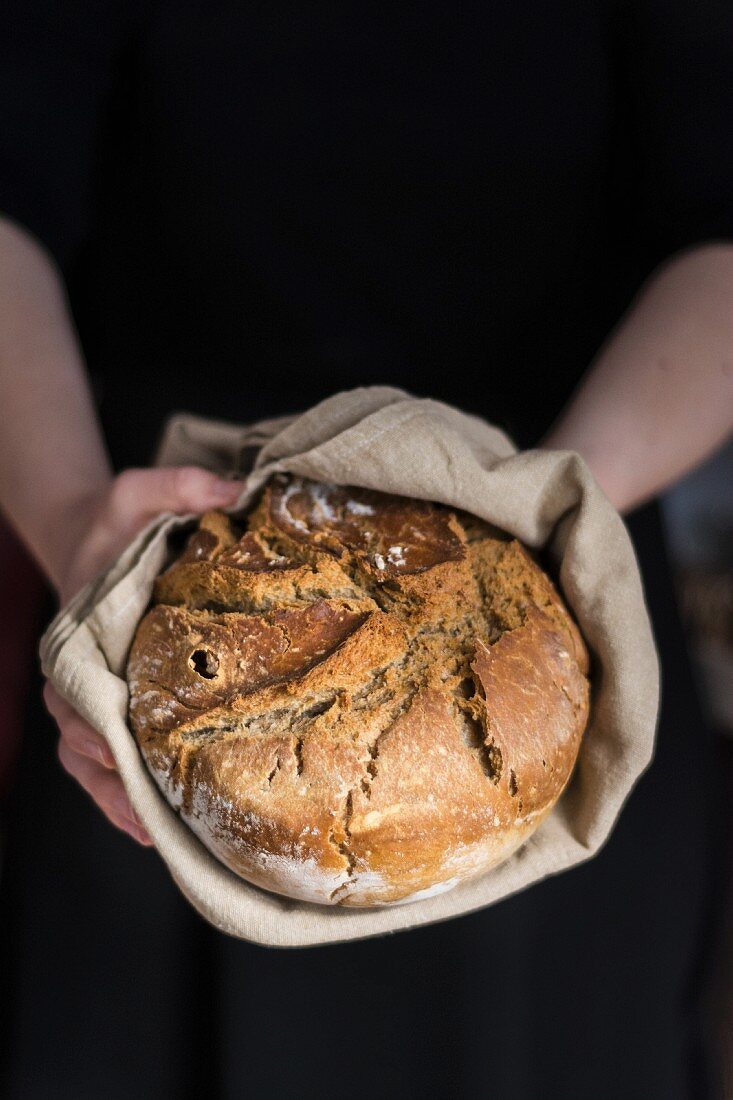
65,530
609,469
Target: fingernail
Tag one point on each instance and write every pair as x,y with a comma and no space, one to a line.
136,819
122,805
99,752
226,491
136,831
142,837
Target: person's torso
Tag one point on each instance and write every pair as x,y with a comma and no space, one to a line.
296,200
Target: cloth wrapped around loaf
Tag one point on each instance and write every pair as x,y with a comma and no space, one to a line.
383,439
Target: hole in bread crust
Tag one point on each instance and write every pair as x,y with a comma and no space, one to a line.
204,663
466,688
494,761
489,753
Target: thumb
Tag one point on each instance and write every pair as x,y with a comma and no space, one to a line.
174,489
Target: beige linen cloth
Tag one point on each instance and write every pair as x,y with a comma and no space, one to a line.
382,438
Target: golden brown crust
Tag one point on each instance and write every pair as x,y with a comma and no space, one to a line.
359,699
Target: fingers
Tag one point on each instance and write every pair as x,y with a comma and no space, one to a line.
135,497
86,757
78,734
173,489
105,788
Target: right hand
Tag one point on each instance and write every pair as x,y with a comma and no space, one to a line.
102,527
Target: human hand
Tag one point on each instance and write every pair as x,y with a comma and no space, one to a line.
101,527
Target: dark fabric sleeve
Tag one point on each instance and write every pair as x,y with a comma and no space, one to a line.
677,64
57,68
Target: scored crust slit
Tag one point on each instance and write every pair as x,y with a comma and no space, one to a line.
354,698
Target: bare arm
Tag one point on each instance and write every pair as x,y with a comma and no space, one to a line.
52,457
659,397
56,484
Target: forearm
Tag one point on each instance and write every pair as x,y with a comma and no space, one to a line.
659,397
52,456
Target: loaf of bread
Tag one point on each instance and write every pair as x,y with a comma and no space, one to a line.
354,698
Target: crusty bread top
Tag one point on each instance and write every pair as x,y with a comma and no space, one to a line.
363,685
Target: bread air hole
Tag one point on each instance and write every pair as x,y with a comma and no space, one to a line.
204,663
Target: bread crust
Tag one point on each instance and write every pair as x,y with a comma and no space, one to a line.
357,699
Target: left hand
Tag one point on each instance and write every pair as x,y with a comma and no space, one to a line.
97,533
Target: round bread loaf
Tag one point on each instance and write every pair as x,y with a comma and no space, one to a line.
354,698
